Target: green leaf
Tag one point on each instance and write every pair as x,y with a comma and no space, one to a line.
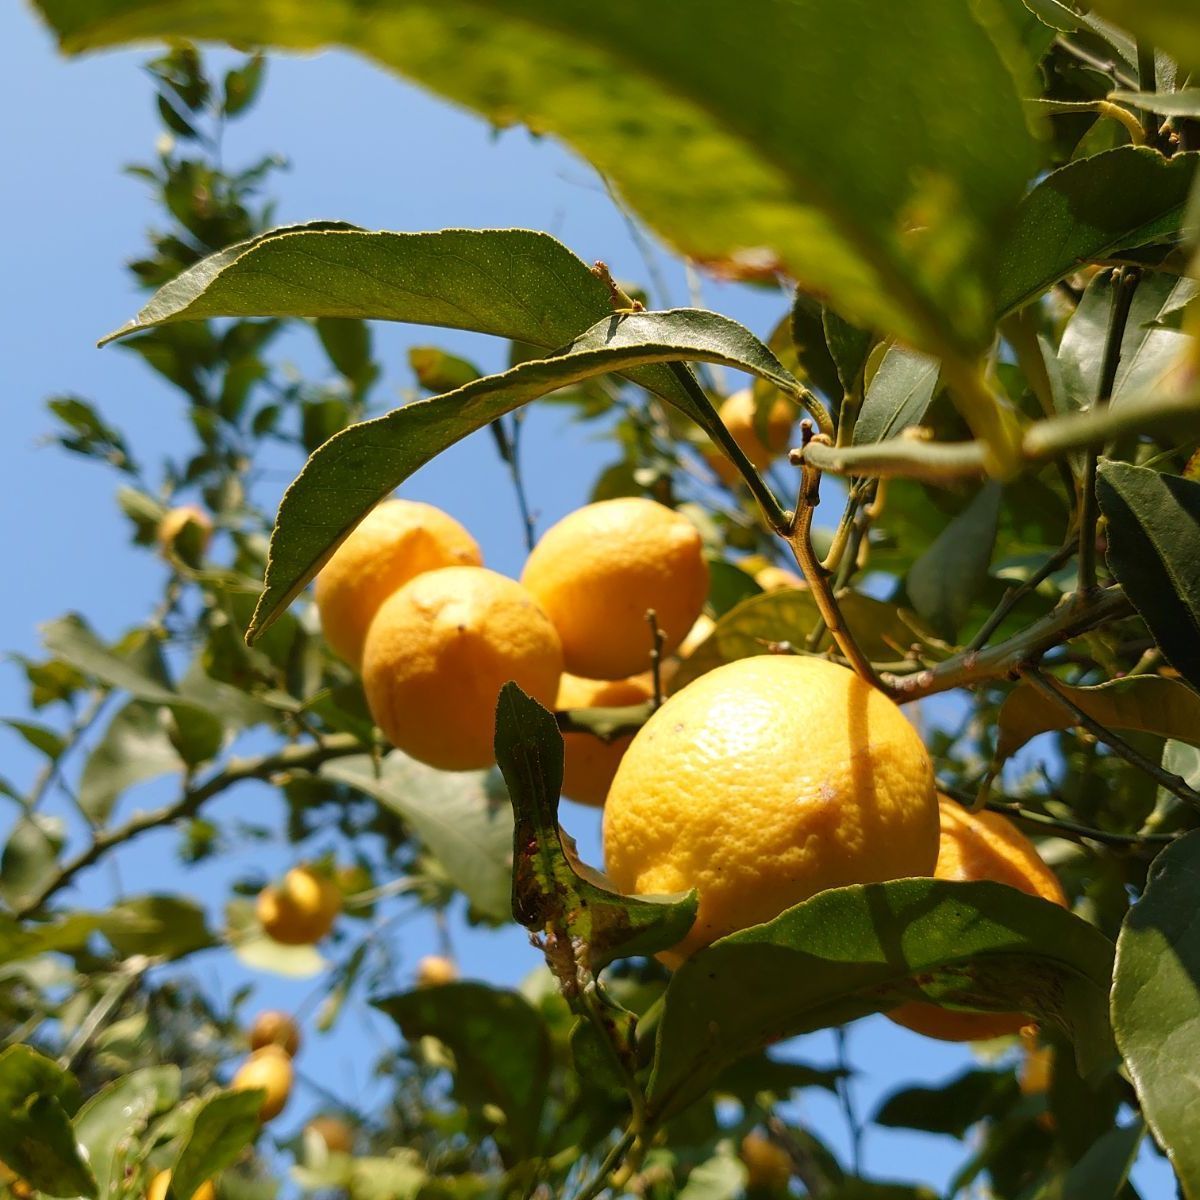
1185,103
135,747
898,396
952,1108
1154,551
1156,1004
72,640
348,344
721,1177
757,1073
438,371
1172,24
242,85
109,1124
500,1046
848,347
222,1127
896,220
751,627
944,581
866,948
552,891
36,1138
728,585
810,348
1055,15
1102,1172
20,940
29,857
1143,703
1087,211
461,818
40,737
357,468
166,927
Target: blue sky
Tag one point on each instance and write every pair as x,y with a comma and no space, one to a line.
367,148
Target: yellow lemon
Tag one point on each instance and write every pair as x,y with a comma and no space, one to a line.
589,764
274,1028
768,1166
438,653
175,520
334,1132
603,567
982,845
777,579
395,542
270,1069
434,970
162,1180
763,782
738,412
301,910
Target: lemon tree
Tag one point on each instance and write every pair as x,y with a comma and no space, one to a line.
838,575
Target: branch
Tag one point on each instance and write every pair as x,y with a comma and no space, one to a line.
1015,595
289,758
1075,615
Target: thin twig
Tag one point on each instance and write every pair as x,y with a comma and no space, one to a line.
1147,82
82,723
1117,744
289,758
612,1160
846,1097
508,444
132,970
657,638
1015,595
1124,286
799,537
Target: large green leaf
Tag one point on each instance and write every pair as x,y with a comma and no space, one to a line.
1172,24
953,1107
36,1138
896,217
358,467
166,927
110,1123
135,747
461,818
1156,1004
223,1125
867,948
1143,703
1089,209
500,1045
1101,1173
1154,551
553,893
898,395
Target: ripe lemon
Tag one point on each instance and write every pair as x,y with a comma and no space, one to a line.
274,1028
438,653
981,845
395,542
175,520
589,764
436,969
334,1132
601,568
301,910
162,1180
763,782
270,1069
738,413
778,579
768,1166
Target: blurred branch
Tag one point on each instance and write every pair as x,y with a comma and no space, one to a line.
82,723
508,444
290,758
1015,595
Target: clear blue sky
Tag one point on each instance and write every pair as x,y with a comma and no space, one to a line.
367,148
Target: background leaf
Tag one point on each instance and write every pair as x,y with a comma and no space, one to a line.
1156,1003
898,395
135,747
224,1124
1154,551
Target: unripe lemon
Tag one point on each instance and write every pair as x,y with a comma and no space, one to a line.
162,1180
737,412
395,542
274,1028
334,1132
768,1166
174,521
438,653
589,764
603,567
270,1069
434,970
301,910
763,782
980,845
778,579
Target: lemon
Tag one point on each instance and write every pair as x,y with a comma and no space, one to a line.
763,782
768,1166
981,845
162,1180
438,653
302,910
275,1028
176,520
436,969
334,1132
395,542
738,413
589,763
270,1069
602,568
778,579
